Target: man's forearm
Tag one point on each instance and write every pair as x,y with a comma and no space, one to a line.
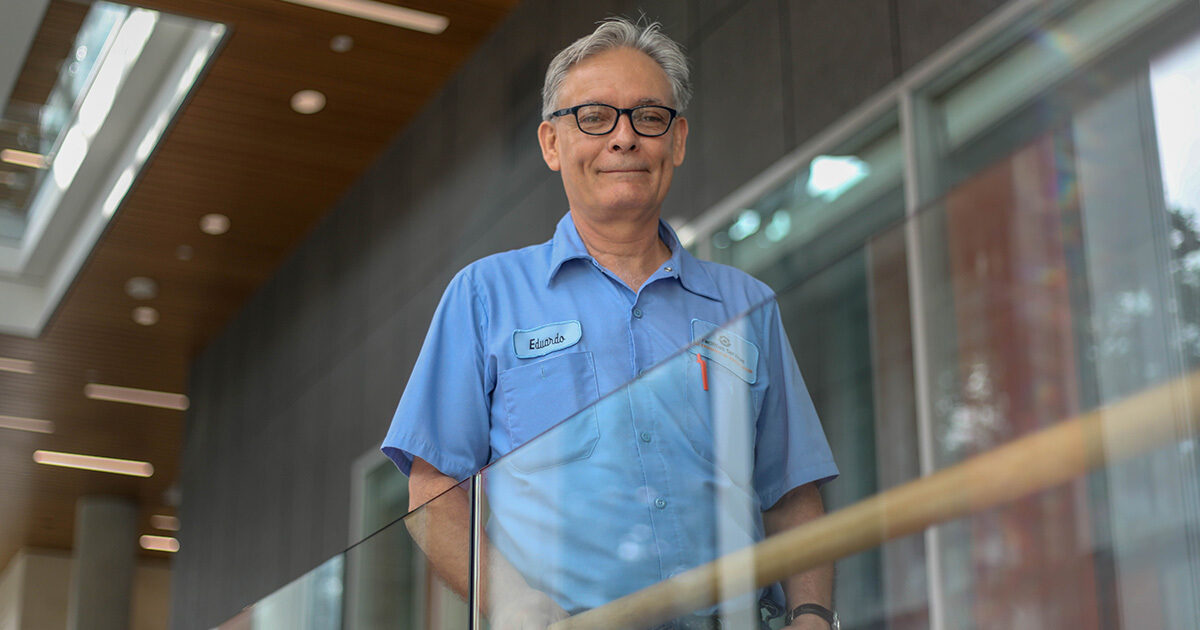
797,507
442,530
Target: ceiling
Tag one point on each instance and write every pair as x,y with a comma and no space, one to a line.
236,148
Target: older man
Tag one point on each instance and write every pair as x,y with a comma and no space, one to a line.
629,490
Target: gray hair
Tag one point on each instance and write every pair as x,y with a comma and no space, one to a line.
617,32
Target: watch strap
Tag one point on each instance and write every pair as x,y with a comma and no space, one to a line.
814,609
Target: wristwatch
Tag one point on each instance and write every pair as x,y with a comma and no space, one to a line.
815,609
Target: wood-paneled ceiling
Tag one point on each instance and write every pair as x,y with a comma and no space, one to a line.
236,148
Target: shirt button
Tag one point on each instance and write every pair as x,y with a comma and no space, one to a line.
667,269
660,503
637,312
645,436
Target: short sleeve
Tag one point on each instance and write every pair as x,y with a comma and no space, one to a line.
790,446
443,414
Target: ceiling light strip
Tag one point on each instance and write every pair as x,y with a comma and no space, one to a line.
32,425
91,462
383,13
134,396
23,158
20,366
159,543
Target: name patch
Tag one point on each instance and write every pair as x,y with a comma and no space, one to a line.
543,340
732,351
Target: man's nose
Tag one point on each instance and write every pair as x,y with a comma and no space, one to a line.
623,137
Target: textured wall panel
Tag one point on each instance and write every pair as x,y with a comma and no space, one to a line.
737,113
831,73
927,25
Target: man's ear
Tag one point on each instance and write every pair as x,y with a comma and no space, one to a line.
680,140
548,139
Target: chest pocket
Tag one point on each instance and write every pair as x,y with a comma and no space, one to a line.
724,416
537,396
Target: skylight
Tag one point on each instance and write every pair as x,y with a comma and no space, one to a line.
67,164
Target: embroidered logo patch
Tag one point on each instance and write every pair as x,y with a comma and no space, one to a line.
543,340
726,348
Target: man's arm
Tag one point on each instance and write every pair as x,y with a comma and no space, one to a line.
815,586
442,530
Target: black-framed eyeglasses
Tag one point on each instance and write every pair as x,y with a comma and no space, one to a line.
597,119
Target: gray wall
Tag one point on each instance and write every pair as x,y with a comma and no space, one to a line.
304,380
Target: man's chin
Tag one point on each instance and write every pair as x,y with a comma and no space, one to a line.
627,208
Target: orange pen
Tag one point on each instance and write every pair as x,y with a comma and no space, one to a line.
703,371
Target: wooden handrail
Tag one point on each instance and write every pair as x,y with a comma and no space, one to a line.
1024,466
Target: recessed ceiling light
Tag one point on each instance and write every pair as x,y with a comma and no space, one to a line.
215,224
20,366
141,288
145,315
308,101
165,522
23,158
341,43
159,543
98,464
134,396
384,13
26,424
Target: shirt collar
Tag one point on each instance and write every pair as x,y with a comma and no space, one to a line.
567,245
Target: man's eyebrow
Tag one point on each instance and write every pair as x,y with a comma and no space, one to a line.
650,101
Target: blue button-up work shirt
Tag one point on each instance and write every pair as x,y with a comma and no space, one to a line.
686,414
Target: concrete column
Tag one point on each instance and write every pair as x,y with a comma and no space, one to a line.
105,558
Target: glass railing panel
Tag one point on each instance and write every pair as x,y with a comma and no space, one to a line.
1058,279
311,602
662,475
1004,93
414,574
824,240
1047,297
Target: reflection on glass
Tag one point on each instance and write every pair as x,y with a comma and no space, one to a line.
824,210
430,552
311,602
665,474
1009,90
829,177
1054,273
839,272
386,575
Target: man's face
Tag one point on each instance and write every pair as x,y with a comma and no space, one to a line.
618,175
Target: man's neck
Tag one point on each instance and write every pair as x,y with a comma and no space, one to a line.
630,249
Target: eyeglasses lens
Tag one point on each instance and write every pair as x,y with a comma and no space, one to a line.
648,120
596,119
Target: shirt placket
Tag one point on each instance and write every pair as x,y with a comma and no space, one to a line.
666,515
